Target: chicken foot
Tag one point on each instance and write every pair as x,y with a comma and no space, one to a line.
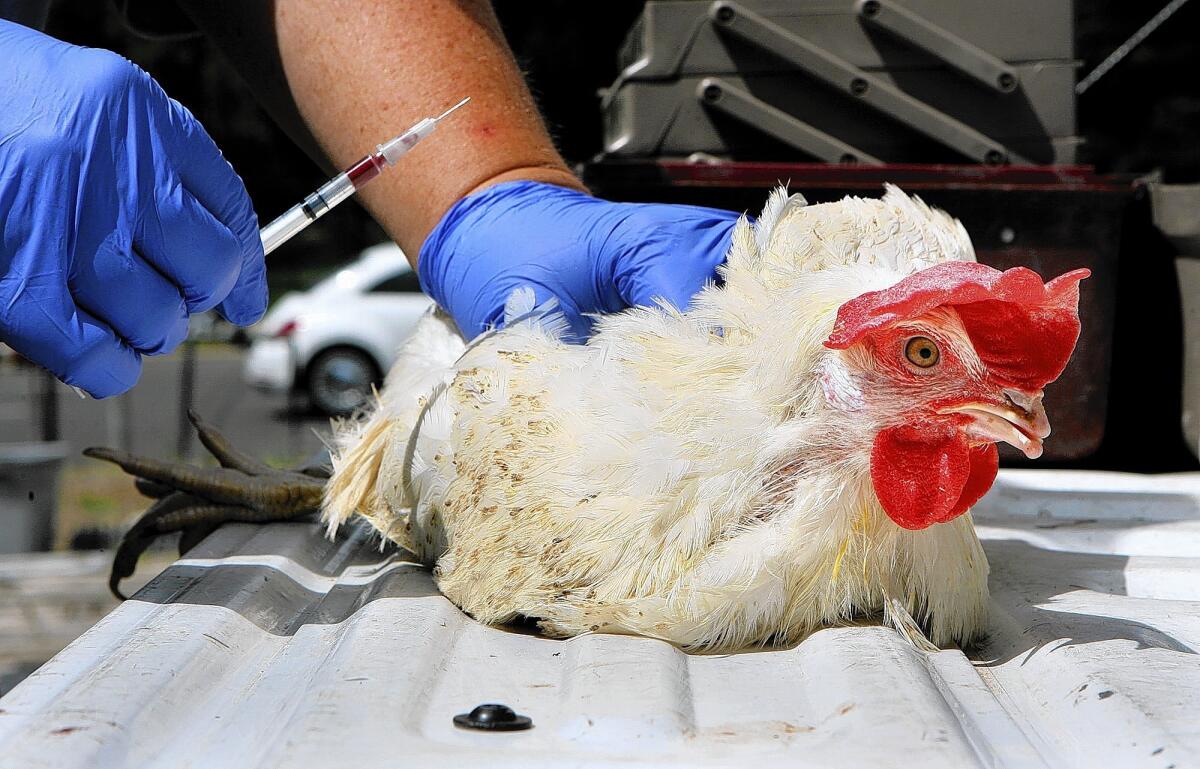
197,500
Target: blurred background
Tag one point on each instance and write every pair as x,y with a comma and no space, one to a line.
274,388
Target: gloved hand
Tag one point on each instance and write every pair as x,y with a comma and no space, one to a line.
592,255
118,215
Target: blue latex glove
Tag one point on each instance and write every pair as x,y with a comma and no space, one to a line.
592,255
118,215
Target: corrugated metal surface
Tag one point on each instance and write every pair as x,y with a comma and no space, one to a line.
271,647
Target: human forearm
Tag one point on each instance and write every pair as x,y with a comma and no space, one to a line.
359,71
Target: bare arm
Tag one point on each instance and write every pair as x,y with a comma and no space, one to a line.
359,71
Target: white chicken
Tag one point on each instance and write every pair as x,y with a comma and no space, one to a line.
799,449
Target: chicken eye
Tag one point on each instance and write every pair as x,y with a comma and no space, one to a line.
922,352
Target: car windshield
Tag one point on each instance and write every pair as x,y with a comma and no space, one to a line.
301,280
403,282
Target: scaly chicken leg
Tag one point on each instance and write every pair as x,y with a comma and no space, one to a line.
197,500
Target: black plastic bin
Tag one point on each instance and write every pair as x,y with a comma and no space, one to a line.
29,494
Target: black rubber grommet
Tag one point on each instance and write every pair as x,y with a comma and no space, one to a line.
493,717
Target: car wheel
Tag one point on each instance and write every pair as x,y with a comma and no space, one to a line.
339,380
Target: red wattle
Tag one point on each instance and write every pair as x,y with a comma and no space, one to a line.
985,463
929,474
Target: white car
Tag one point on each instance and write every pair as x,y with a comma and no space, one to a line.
341,336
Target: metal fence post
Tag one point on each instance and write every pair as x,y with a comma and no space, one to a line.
48,406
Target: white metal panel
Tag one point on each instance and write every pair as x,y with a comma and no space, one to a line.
273,647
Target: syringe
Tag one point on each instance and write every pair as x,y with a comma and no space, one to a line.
346,183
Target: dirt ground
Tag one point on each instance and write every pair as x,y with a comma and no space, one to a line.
95,496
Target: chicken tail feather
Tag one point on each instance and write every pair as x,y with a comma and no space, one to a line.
352,488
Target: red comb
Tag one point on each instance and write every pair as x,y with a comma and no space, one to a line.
1023,330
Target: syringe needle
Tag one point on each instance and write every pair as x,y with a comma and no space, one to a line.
447,112
346,183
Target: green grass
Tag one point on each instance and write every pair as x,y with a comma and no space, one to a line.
97,505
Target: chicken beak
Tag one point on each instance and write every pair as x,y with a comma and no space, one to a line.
1020,420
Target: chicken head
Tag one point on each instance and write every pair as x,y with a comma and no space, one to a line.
945,363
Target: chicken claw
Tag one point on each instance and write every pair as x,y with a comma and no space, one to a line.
197,500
